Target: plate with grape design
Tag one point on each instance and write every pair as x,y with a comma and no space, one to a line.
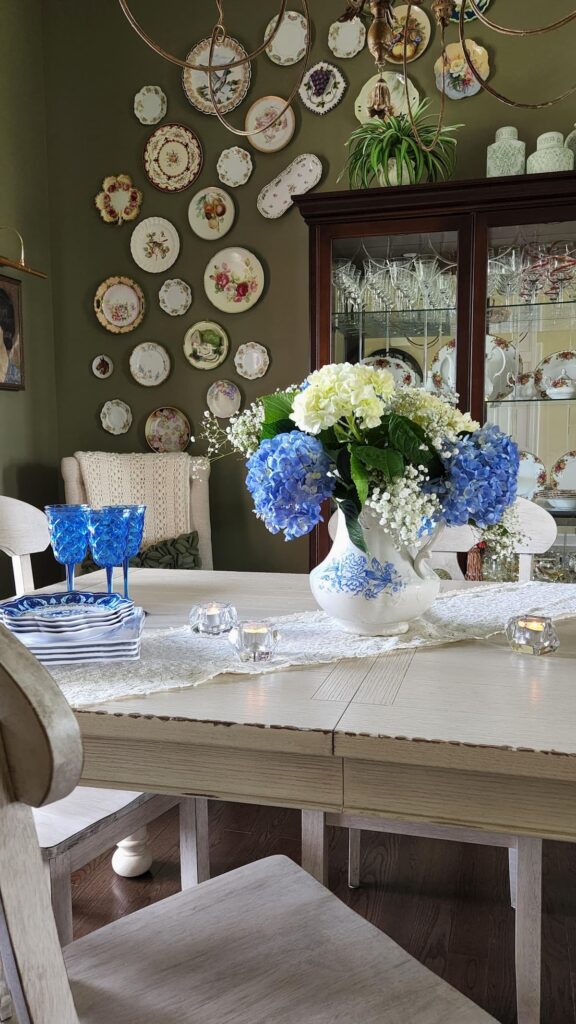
322,87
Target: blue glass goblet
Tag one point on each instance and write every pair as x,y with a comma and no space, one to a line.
136,514
108,536
68,525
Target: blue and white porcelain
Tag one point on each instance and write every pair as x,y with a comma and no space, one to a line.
58,611
374,594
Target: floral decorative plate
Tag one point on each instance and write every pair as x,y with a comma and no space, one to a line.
444,368
452,66
417,35
563,472
407,357
206,345
211,212
234,280
155,244
469,14
395,82
149,364
251,360
300,176
230,85
175,297
278,134
552,366
102,366
150,104
346,38
223,399
531,475
289,43
173,157
116,416
119,199
234,166
119,304
401,372
322,87
167,430
501,363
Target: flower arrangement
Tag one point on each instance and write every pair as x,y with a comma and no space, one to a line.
350,434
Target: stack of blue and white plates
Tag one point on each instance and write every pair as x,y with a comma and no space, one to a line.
63,628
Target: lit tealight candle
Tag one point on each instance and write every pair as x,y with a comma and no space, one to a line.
213,618
254,641
532,634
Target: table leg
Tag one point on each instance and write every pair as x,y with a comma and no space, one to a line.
194,841
528,930
354,838
314,846
133,856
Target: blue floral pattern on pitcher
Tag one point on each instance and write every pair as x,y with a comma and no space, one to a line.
355,574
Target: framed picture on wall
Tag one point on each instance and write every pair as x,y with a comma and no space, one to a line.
11,339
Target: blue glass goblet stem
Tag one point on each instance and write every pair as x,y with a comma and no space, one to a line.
68,525
108,536
136,515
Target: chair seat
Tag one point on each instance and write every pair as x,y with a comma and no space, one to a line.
60,825
263,943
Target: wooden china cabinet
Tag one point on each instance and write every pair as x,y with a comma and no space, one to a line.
467,287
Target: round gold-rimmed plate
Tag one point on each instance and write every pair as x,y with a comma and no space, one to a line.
173,158
206,345
167,430
417,34
230,85
119,304
278,133
234,280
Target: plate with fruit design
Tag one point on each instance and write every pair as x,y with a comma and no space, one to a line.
211,212
322,87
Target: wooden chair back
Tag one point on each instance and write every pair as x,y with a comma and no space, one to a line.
23,531
40,761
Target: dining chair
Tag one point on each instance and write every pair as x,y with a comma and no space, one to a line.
74,831
263,942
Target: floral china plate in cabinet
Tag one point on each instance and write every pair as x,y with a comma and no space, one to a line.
395,82
234,280
119,199
322,87
119,304
150,104
289,43
406,357
300,176
401,372
346,38
251,360
206,345
211,212
280,129
469,14
175,297
563,473
155,244
102,366
459,82
501,363
230,85
116,416
531,475
553,367
223,399
149,364
173,158
167,430
417,35
444,368
234,166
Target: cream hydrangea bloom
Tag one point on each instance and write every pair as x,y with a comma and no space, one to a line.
341,391
441,420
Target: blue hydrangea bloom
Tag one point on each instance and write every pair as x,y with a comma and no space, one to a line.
481,478
288,480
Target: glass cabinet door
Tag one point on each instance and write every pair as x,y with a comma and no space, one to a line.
530,369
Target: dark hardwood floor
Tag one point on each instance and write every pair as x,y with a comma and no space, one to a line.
447,903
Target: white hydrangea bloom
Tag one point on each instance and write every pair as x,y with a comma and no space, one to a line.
342,391
441,420
403,507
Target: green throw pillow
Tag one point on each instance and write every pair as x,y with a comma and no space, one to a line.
180,553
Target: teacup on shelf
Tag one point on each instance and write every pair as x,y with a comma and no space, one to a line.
523,384
561,386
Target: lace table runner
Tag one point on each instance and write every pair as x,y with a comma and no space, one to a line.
175,657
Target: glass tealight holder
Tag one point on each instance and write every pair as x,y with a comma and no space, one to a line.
532,634
212,618
254,641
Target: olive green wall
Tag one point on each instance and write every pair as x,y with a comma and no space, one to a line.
95,64
28,432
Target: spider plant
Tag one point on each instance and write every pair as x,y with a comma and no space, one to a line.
388,151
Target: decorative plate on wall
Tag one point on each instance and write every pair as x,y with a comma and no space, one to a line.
234,280
119,199
230,85
289,43
278,135
223,399
469,14
167,430
150,104
395,83
175,297
116,416
234,166
300,176
149,364
155,244
211,212
452,67
322,87
206,345
173,158
252,360
119,304
102,366
346,38
417,36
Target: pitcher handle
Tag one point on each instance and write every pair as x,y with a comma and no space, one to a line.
426,550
